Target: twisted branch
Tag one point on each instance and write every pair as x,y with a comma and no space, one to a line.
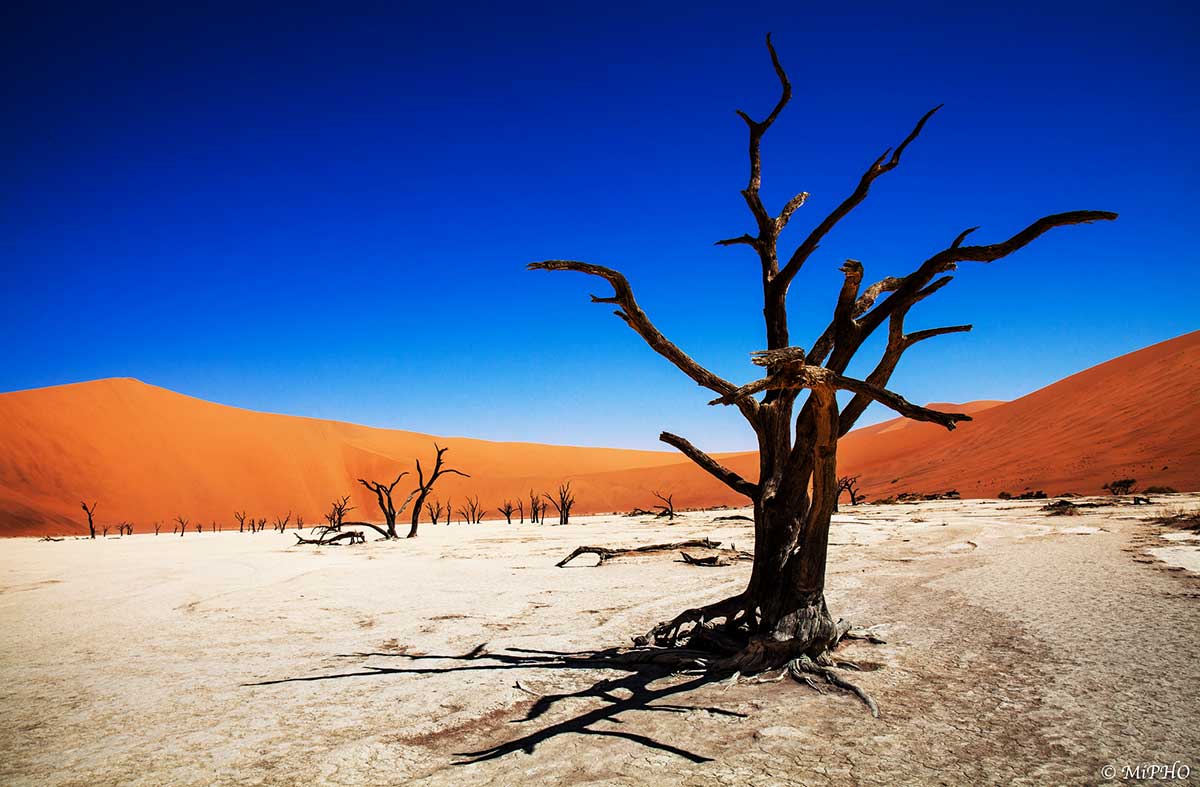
633,316
711,466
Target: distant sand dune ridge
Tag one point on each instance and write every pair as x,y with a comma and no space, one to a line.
146,453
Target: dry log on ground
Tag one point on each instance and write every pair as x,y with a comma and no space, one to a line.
607,553
327,539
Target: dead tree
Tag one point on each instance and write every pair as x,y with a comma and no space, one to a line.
536,507
507,509
383,495
562,500
240,516
471,512
1122,486
126,528
104,531
781,617
299,522
262,525
520,510
667,509
181,524
425,485
337,513
281,523
849,485
91,521
199,527
434,509
157,526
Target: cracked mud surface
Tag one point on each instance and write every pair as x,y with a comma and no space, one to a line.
1022,649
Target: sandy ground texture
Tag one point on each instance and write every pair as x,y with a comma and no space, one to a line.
1021,648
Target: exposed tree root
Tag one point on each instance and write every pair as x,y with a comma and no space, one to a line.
801,668
666,634
696,639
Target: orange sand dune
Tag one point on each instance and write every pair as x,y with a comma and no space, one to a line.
148,454
1135,416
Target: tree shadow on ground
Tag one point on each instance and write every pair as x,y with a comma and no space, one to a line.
632,691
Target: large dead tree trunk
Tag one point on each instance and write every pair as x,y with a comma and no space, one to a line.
781,616
425,486
383,496
91,521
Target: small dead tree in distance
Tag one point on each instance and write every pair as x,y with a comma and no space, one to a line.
507,509
91,521
181,524
434,509
536,507
383,495
471,511
667,509
425,486
849,485
562,500
1121,486
520,510
240,516
781,617
337,513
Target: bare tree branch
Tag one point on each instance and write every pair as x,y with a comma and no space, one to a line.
879,167
757,129
633,315
820,377
711,466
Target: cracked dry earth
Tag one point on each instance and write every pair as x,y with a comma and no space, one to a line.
1021,649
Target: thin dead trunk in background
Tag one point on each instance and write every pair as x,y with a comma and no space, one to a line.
91,521
425,485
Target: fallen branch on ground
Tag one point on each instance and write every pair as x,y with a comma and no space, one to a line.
349,536
606,554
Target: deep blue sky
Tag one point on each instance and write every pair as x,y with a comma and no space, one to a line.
326,210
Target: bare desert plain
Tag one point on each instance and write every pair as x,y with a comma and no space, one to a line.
1019,648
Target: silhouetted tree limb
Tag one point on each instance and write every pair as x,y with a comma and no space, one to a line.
710,465
633,315
425,486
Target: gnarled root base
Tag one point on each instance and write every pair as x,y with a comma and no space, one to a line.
724,637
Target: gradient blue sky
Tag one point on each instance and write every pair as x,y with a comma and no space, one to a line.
325,209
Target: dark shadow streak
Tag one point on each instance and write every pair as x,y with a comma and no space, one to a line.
636,682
